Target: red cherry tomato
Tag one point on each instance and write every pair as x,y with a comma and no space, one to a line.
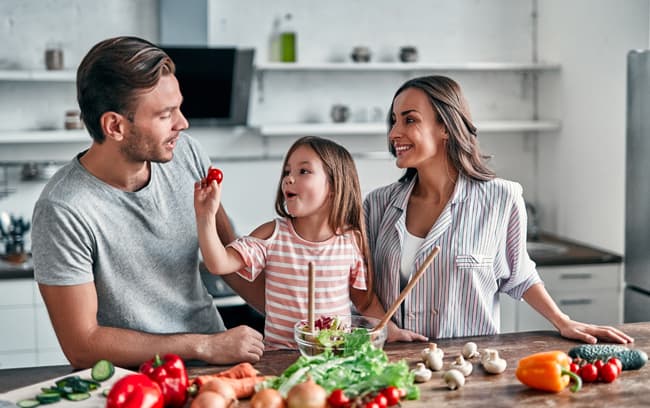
372,404
214,174
338,399
588,373
617,363
599,364
608,372
392,394
574,368
381,400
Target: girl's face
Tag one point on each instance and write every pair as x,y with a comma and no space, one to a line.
305,184
416,135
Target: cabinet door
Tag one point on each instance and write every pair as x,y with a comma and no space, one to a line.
17,360
582,277
18,332
508,313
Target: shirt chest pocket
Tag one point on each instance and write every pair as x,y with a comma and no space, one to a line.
471,262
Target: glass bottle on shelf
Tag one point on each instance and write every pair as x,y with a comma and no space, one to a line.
287,40
275,54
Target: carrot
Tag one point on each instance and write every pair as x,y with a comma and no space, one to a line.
243,387
241,370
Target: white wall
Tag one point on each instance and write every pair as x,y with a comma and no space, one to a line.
582,170
587,95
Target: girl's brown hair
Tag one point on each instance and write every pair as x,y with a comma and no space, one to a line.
452,111
347,203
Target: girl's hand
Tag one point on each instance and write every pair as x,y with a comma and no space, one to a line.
591,333
397,334
206,199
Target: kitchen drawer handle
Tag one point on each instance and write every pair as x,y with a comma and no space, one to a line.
575,276
574,302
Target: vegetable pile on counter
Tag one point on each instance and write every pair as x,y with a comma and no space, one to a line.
360,377
72,388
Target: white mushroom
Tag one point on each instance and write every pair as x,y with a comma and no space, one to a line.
462,365
470,350
432,357
422,374
492,363
454,379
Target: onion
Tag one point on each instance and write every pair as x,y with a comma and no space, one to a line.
209,399
268,398
222,388
307,395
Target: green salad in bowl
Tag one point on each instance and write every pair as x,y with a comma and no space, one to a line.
339,334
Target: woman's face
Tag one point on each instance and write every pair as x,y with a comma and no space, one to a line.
416,135
305,184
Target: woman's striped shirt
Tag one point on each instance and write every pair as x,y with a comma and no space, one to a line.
284,258
481,233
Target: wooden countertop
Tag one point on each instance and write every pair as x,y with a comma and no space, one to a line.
630,389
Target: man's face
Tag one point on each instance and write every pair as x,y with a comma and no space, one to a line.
154,127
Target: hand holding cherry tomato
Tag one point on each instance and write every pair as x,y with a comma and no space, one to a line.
214,174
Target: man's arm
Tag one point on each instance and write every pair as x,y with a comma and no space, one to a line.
73,312
252,292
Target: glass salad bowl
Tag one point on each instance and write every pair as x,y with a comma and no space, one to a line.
336,333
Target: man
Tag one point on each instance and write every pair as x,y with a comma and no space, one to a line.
114,237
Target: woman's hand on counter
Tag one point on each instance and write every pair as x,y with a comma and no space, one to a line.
591,333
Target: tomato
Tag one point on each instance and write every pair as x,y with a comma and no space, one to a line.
588,373
574,368
608,372
599,364
617,363
381,400
392,394
372,404
214,174
338,399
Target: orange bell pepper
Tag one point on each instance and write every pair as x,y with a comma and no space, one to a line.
548,371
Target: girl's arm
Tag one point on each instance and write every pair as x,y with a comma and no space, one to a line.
217,258
539,299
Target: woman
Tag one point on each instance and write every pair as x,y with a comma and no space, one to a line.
449,197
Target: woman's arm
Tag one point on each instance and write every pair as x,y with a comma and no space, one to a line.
539,299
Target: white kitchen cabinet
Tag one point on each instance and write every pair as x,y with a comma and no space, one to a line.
587,293
28,339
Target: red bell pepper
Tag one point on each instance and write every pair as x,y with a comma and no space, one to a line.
170,374
135,391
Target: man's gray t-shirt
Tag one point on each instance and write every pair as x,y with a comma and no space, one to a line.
140,248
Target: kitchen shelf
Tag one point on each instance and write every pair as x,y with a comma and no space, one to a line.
38,75
43,136
364,129
402,66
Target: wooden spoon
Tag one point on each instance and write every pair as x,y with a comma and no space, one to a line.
390,312
310,292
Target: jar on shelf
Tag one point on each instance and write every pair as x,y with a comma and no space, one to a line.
73,120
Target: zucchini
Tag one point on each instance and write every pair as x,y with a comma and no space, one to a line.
77,396
632,359
102,370
28,403
48,397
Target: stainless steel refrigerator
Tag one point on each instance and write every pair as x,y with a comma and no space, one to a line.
637,189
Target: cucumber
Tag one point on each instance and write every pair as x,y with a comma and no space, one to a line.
28,403
77,396
102,370
48,397
632,359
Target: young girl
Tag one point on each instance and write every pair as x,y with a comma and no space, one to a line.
320,205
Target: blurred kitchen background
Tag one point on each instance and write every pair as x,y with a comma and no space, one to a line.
545,80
